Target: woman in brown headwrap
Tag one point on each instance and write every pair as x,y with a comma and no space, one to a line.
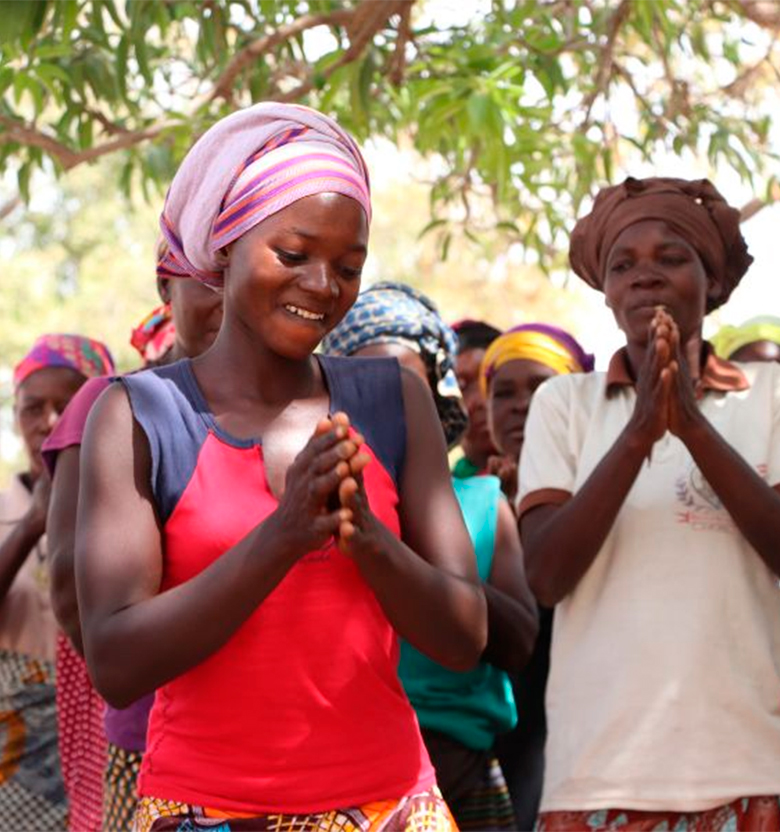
650,516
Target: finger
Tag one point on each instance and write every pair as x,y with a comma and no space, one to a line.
328,524
323,426
324,485
663,352
667,377
319,443
330,458
358,463
340,419
348,488
345,537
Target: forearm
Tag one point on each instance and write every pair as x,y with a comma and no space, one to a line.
442,615
560,549
138,648
752,503
64,598
14,551
512,630
61,540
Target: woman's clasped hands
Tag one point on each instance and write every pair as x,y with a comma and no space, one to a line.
324,495
667,384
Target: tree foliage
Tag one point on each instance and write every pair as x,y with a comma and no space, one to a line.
524,108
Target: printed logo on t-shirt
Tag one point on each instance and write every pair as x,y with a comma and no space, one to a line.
702,508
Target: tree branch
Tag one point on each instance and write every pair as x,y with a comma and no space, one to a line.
604,72
398,62
68,159
765,13
362,24
250,53
9,206
750,209
369,17
16,131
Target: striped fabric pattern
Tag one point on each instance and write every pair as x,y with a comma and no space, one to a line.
248,166
270,180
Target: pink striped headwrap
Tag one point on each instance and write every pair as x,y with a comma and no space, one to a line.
248,166
76,352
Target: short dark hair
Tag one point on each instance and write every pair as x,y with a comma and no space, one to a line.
474,335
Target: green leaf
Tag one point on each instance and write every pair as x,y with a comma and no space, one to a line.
445,246
478,110
434,223
53,50
51,72
20,85
6,78
69,9
20,19
85,133
121,66
142,57
23,180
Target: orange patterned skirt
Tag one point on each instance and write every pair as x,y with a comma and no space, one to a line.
426,812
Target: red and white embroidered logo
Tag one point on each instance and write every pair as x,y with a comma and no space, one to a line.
701,506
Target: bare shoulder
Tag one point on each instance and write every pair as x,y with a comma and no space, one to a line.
114,443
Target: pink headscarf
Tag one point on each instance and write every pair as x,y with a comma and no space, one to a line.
84,355
248,166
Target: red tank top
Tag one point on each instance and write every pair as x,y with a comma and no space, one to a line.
302,710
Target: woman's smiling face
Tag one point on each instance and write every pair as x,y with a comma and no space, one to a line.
294,276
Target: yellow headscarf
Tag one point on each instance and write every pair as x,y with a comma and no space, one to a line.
546,344
729,339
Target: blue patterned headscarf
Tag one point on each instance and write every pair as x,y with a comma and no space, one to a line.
394,313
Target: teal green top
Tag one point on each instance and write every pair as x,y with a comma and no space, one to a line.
463,469
470,707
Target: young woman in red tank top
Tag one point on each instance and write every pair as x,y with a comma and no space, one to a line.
258,525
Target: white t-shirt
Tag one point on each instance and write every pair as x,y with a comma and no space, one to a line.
664,687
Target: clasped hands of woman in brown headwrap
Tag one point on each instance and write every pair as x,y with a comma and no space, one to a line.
668,381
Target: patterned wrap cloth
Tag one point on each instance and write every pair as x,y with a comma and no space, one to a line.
82,739
729,339
746,814
84,355
247,167
693,209
394,313
425,812
546,344
31,789
155,335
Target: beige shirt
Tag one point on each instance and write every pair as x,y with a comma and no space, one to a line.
664,688
27,623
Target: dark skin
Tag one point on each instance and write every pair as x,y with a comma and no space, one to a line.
476,441
509,397
657,288
197,315
38,403
288,282
512,619
757,351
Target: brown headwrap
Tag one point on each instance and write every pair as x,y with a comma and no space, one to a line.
693,209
